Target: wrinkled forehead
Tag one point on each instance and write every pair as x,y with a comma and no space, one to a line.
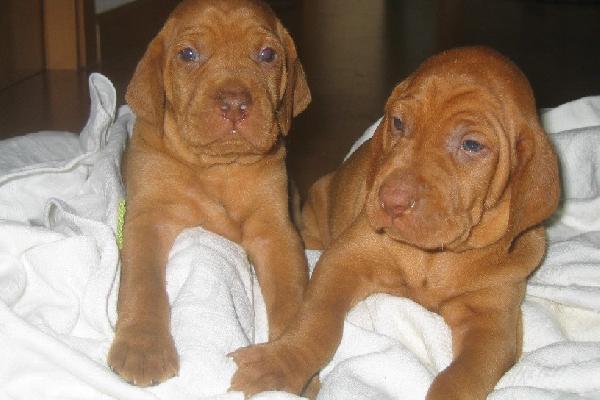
442,95
459,76
239,14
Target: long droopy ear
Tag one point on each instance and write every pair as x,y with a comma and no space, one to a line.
145,93
535,182
295,94
532,190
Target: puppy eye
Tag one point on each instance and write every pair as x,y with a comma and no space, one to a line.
189,55
398,124
267,55
472,146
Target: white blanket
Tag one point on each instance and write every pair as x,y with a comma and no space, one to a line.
59,269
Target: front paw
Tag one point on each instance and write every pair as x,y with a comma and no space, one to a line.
272,366
143,356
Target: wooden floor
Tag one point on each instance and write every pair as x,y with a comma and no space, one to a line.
354,52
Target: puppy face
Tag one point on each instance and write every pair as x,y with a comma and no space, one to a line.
225,78
457,141
436,172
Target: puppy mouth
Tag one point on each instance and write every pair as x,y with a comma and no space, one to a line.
209,133
412,231
238,141
420,225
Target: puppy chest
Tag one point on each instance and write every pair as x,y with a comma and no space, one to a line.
426,283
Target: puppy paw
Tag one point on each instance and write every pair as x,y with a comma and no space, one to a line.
143,357
271,366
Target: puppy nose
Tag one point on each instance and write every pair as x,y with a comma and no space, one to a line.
397,198
234,103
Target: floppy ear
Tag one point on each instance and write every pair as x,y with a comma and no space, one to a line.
295,94
145,93
535,187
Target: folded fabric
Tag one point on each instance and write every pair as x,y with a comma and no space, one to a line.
59,270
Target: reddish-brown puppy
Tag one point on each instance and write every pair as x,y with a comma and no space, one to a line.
443,205
213,95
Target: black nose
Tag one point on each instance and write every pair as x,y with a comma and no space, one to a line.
234,103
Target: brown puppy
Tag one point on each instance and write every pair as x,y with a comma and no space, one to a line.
443,205
213,95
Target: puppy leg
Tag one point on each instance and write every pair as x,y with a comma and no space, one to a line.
276,252
289,362
143,351
486,343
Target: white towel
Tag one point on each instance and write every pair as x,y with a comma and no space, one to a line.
59,269
581,113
